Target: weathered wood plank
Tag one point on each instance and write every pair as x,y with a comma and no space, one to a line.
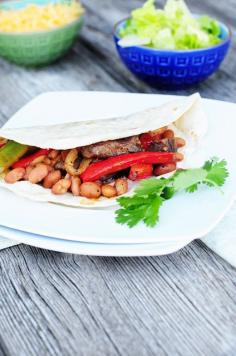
65,304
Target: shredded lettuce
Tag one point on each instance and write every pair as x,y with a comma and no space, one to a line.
174,27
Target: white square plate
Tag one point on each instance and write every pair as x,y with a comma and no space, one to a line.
85,248
183,218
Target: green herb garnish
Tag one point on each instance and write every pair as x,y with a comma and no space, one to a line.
150,194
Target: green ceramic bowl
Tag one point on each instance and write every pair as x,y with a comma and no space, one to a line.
37,48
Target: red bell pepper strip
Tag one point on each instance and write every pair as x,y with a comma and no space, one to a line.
140,171
114,164
147,139
24,162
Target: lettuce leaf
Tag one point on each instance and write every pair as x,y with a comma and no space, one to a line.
209,25
172,28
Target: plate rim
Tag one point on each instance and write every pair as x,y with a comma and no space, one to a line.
90,249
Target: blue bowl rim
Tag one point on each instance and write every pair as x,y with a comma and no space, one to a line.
31,33
156,50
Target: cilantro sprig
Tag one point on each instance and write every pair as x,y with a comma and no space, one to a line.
150,194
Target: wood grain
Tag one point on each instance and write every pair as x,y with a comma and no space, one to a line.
56,303
63,304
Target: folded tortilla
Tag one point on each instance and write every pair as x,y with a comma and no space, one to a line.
185,116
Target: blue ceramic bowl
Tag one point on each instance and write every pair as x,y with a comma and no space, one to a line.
173,69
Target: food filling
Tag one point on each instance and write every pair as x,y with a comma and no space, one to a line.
101,169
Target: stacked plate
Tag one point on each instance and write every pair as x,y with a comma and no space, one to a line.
94,231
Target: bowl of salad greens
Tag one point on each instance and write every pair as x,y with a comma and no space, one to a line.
171,47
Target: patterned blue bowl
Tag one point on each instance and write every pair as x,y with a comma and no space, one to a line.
173,69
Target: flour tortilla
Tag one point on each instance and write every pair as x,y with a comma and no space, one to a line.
185,116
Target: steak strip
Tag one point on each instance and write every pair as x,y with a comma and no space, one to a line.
112,148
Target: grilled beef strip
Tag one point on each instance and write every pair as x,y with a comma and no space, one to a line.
112,148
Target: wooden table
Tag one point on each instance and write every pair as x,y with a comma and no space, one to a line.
60,304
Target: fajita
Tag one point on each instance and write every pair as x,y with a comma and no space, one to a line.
90,163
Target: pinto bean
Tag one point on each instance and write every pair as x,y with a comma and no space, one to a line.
37,160
75,186
180,142
121,186
15,175
109,191
27,172
168,134
38,173
164,169
53,154
90,190
54,162
67,176
158,131
47,161
51,179
178,157
61,187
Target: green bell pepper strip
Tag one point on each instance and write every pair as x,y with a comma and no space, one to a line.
10,153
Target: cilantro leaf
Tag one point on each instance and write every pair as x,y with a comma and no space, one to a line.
131,216
127,202
189,179
168,193
151,185
150,194
151,217
216,172
192,188
147,211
